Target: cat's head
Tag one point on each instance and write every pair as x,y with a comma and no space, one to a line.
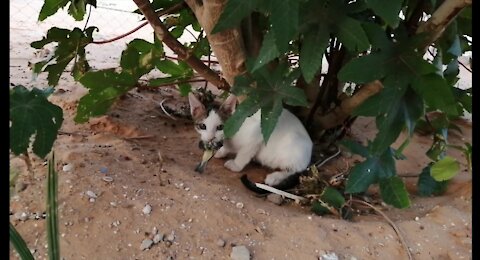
209,122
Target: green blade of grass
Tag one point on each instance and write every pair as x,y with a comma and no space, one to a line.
20,244
52,222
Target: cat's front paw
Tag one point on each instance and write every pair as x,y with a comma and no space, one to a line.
232,166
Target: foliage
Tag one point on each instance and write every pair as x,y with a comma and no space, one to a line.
362,41
31,114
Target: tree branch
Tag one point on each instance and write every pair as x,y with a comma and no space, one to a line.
164,35
339,114
441,18
170,10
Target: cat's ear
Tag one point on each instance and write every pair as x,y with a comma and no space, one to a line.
228,107
197,109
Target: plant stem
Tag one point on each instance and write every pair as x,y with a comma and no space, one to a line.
183,54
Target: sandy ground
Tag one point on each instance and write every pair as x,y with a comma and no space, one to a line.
198,213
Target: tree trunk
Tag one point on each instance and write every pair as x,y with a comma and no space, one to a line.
227,45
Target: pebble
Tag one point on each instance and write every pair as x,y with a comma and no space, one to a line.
91,194
107,179
67,167
21,216
275,198
171,237
146,244
328,256
92,199
154,230
157,238
239,205
147,209
220,242
240,253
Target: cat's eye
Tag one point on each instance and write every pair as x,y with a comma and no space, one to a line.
202,126
219,127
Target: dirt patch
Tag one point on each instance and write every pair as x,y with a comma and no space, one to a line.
148,158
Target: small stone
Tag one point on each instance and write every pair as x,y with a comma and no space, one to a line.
154,230
21,216
417,218
147,209
239,205
157,238
107,179
91,194
240,253
146,244
92,200
328,256
171,237
275,198
20,186
68,167
220,242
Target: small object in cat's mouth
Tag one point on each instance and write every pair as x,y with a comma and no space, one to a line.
209,150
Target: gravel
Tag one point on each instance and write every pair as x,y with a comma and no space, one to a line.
220,242
240,253
146,244
275,198
157,238
147,209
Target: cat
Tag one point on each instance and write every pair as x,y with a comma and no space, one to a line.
288,151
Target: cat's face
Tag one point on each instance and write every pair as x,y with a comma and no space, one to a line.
209,124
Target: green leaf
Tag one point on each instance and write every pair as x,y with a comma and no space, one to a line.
284,20
311,54
50,7
269,118
105,87
364,69
404,110
52,211
355,147
19,244
394,193
333,197
184,89
71,44
361,177
174,69
445,169
351,33
388,11
246,109
32,114
436,92
140,57
233,13
427,185
319,209
77,8
272,89
268,51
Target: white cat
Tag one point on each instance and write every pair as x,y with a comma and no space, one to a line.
288,151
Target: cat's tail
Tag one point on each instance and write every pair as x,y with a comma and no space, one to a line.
288,183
